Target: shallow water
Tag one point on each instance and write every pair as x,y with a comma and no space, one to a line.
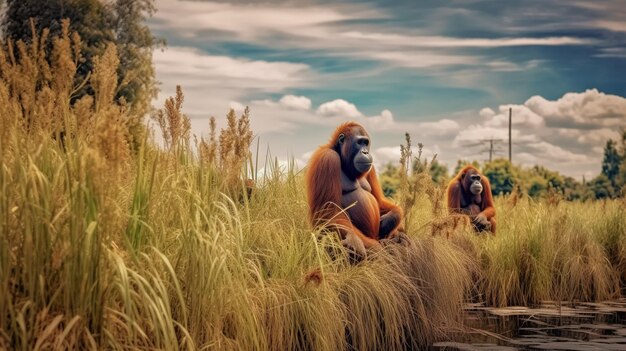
550,326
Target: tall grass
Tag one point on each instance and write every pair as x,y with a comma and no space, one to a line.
103,246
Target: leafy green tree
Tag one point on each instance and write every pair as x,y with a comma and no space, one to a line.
389,179
539,179
439,172
601,187
91,19
611,162
98,23
502,175
621,177
574,190
537,186
135,43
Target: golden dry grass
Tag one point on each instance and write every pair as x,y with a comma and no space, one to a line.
106,247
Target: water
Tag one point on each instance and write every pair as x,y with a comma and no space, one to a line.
550,326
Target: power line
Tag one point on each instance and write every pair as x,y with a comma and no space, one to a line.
491,146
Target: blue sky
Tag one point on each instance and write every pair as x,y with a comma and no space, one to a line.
445,71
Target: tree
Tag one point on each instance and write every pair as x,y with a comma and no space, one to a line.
438,172
91,19
389,179
98,23
574,190
135,43
502,176
601,187
621,178
611,162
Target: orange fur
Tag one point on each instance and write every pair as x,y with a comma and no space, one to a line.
324,192
456,190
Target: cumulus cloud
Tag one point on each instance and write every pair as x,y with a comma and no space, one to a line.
296,102
556,153
487,113
391,154
477,132
339,108
291,102
440,127
589,109
566,134
237,106
214,83
523,117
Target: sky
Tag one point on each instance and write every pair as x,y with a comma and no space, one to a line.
445,71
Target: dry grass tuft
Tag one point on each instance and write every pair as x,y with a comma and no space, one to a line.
104,248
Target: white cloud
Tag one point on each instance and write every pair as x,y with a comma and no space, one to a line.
420,59
566,134
440,127
238,107
474,133
486,113
212,84
598,136
618,52
244,21
521,116
296,102
335,28
448,42
387,154
587,109
339,108
195,67
555,152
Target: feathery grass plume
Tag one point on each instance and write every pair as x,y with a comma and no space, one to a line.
208,149
542,254
111,132
407,194
514,197
553,196
175,126
234,147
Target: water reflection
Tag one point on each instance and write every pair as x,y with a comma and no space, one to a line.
550,326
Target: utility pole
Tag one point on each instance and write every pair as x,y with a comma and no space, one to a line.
510,117
491,148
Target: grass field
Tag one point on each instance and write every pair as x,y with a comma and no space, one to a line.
105,247
155,255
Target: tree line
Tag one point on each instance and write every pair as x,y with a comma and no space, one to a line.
537,181
97,23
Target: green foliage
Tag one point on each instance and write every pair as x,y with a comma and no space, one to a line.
601,187
135,43
611,162
390,176
574,190
611,182
439,172
98,23
389,179
502,175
